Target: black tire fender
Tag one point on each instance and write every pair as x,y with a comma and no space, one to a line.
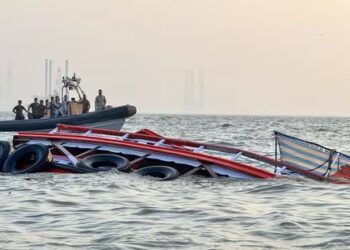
104,162
34,156
163,173
5,149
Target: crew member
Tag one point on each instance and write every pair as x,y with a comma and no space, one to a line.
57,107
100,101
35,109
86,104
52,107
47,108
65,106
41,109
18,110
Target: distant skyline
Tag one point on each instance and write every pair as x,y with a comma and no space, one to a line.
264,57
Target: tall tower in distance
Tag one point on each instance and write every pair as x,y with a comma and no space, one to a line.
53,83
57,89
8,86
193,101
201,90
46,95
189,89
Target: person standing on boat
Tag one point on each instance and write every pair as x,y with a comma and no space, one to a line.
86,104
57,105
65,106
35,109
100,101
41,109
52,107
47,108
18,110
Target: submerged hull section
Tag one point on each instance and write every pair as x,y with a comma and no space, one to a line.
146,150
142,149
112,119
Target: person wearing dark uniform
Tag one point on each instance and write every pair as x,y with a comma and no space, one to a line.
18,110
86,104
35,109
47,108
41,109
52,107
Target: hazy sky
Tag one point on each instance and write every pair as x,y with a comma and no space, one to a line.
287,57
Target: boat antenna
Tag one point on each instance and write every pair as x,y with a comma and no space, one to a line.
70,84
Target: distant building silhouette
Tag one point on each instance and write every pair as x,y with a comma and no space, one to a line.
193,91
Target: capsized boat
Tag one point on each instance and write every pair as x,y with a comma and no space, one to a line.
78,149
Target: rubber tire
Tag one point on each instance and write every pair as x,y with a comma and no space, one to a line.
43,157
5,149
95,163
163,173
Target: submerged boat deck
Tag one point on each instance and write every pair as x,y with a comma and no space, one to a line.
70,145
144,145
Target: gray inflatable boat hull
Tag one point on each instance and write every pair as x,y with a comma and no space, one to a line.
113,118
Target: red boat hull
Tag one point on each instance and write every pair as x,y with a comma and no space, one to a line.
178,149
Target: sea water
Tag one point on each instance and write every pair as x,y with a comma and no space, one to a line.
124,211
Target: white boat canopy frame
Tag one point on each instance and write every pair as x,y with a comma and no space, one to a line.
72,84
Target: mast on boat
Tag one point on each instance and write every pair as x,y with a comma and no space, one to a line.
72,84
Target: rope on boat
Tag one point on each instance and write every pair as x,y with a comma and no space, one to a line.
330,163
336,158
